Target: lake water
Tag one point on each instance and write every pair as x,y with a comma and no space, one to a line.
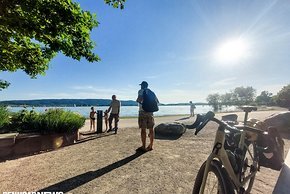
132,111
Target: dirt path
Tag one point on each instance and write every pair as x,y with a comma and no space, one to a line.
110,165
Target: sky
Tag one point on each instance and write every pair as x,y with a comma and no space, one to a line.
184,49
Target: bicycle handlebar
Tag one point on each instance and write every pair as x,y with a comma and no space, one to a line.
202,120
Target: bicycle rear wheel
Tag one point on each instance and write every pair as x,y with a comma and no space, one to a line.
217,180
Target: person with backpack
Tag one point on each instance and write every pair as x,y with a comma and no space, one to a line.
148,103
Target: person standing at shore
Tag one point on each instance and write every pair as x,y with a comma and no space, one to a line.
192,107
92,119
145,118
115,111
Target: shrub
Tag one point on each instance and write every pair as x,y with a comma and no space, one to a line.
51,121
60,121
283,97
25,121
4,117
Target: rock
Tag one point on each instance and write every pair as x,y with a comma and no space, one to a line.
169,130
279,120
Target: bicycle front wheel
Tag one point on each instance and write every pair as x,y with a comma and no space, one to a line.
217,180
250,166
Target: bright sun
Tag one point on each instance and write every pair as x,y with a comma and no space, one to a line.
232,51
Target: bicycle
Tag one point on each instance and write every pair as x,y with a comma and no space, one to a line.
233,163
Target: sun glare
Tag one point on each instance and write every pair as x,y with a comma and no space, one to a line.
232,51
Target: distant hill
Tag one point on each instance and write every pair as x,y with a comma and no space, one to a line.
186,104
77,102
65,102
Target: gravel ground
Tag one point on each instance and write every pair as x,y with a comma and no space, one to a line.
109,164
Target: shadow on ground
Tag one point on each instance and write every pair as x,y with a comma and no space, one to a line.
85,138
168,137
92,136
74,182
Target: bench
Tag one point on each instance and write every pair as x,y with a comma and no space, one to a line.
7,139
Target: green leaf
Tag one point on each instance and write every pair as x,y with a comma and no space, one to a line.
34,31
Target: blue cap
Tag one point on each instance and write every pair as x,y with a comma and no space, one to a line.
144,83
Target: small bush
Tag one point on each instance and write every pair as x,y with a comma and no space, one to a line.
60,121
51,121
25,121
4,117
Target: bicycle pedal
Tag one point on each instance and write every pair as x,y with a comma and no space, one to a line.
242,190
252,168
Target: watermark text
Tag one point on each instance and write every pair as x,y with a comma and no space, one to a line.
44,192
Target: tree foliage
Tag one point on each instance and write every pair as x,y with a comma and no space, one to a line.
265,98
214,100
34,31
3,84
283,97
239,96
244,95
228,99
116,3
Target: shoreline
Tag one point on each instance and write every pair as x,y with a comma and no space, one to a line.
109,164
132,112
260,108
129,122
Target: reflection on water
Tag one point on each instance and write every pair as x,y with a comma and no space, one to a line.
131,111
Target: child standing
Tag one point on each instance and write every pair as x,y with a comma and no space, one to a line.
92,119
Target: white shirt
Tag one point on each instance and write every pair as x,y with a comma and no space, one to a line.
140,93
115,104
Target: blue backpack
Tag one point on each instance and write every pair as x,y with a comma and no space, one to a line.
150,102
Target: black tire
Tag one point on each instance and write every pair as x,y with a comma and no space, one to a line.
250,166
223,185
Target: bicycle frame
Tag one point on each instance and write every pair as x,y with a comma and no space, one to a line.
220,153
